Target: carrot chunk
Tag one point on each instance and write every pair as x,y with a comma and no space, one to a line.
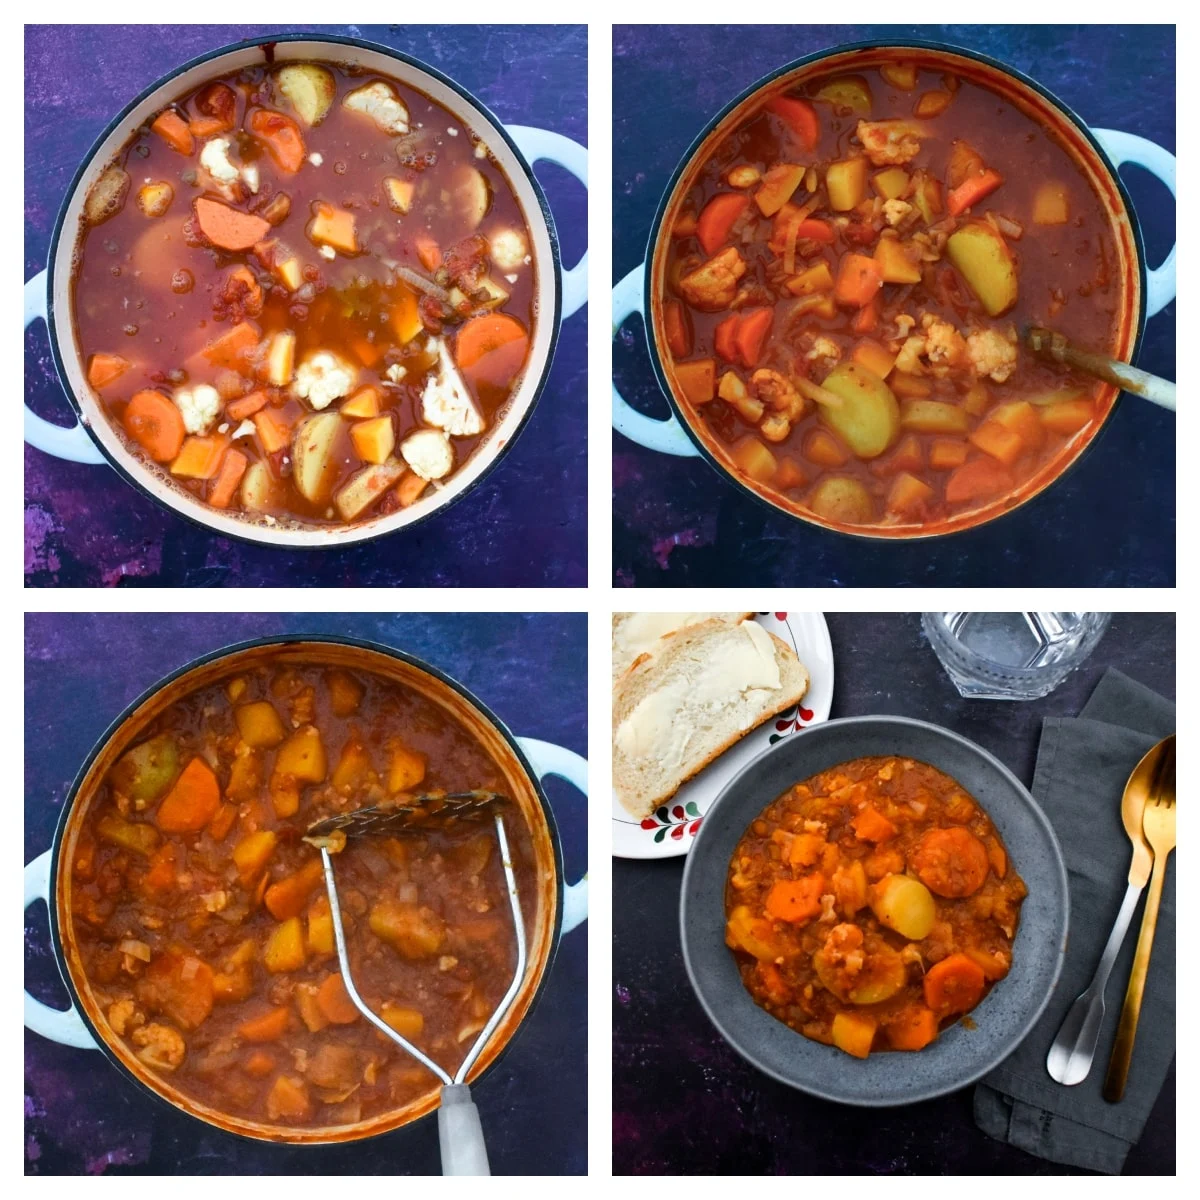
288,897
269,1027
246,406
233,467
725,338
155,424
679,336
227,228
192,802
334,1001
912,1029
954,985
173,130
281,136
796,900
979,479
870,825
103,369
972,190
800,117
752,332
858,281
717,219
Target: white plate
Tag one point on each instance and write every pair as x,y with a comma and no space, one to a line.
670,830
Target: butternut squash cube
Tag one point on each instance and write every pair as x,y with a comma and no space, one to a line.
414,932
407,1022
284,950
374,440
333,226
320,927
400,193
854,1032
363,404
777,187
259,724
697,380
754,460
846,183
302,756
345,693
1050,205
252,854
406,767
288,1098
897,264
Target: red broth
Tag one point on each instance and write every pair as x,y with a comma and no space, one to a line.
894,266
264,256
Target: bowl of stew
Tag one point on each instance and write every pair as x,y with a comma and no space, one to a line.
841,271
875,911
304,291
190,921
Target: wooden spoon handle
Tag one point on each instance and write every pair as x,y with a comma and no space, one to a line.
1054,347
1122,1052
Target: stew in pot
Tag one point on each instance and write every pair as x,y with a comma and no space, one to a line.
847,283
201,918
872,905
305,292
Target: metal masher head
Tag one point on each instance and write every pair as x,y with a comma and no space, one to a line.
414,815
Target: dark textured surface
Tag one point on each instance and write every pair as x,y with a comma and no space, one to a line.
524,526
677,523
80,1115
685,1102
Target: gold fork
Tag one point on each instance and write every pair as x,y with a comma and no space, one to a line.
1158,825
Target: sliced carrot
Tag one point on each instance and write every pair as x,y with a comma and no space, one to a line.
800,117
269,1027
725,338
972,190
954,985
817,230
274,430
978,479
796,900
104,368
173,130
717,219
428,252
867,317
155,424
192,801
281,136
233,467
482,335
227,228
222,823
288,897
858,281
679,336
246,406
912,1029
752,332
334,1001
206,127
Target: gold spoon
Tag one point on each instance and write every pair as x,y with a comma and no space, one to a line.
1053,347
1158,825
1070,1057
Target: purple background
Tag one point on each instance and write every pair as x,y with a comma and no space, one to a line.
81,1115
684,1102
526,525
677,523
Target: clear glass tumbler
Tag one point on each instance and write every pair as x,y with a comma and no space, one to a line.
1012,656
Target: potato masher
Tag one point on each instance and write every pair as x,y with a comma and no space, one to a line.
460,1134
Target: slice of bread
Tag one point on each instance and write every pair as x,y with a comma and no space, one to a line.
635,634
701,690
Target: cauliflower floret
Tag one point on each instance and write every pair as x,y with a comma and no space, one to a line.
777,391
214,158
447,403
944,345
713,285
895,211
323,378
889,142
904,325
395,373
824,348
428,452
992,354
508,249
251,176
907,361
246,429
200,407
124,1015
379,102
162,1047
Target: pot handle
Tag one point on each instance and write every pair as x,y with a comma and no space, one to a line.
549,759
665,436
64,1026
71,442
541,144
1129,148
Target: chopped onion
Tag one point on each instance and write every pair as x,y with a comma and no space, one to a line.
135,949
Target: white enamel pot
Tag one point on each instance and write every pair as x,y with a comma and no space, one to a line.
560,293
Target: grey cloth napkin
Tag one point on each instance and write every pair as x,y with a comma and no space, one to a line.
1082,767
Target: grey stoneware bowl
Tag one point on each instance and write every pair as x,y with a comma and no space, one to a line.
960,1055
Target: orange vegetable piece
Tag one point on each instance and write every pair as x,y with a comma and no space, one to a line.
281,136
222,823
259,1065
950,862
104,368
697,379
274,430
800,117
200,457
288,1097
947,453
717,219
1001,443
288,897
912,1029
192,801
173,130
979,479
246,406
252,853
269,1027
796,900
725,338
231,349
870,825
233,467
181,986
428,252
155,424
483,335
752,332
228,228
406,318
334,1001
867,317
161,874
679,336
954,985
972,190
858,281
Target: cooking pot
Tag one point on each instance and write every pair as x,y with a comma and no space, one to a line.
556,907
1097,152
93,439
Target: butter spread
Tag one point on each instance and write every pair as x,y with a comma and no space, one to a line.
639,631
740,663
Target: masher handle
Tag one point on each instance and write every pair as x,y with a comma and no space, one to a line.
460,1134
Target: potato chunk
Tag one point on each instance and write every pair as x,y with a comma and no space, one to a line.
259,724
309,89
415,932
981,255
868,420
315,466
905,905
107,196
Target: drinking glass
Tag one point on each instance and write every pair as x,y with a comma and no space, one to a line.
1012,656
